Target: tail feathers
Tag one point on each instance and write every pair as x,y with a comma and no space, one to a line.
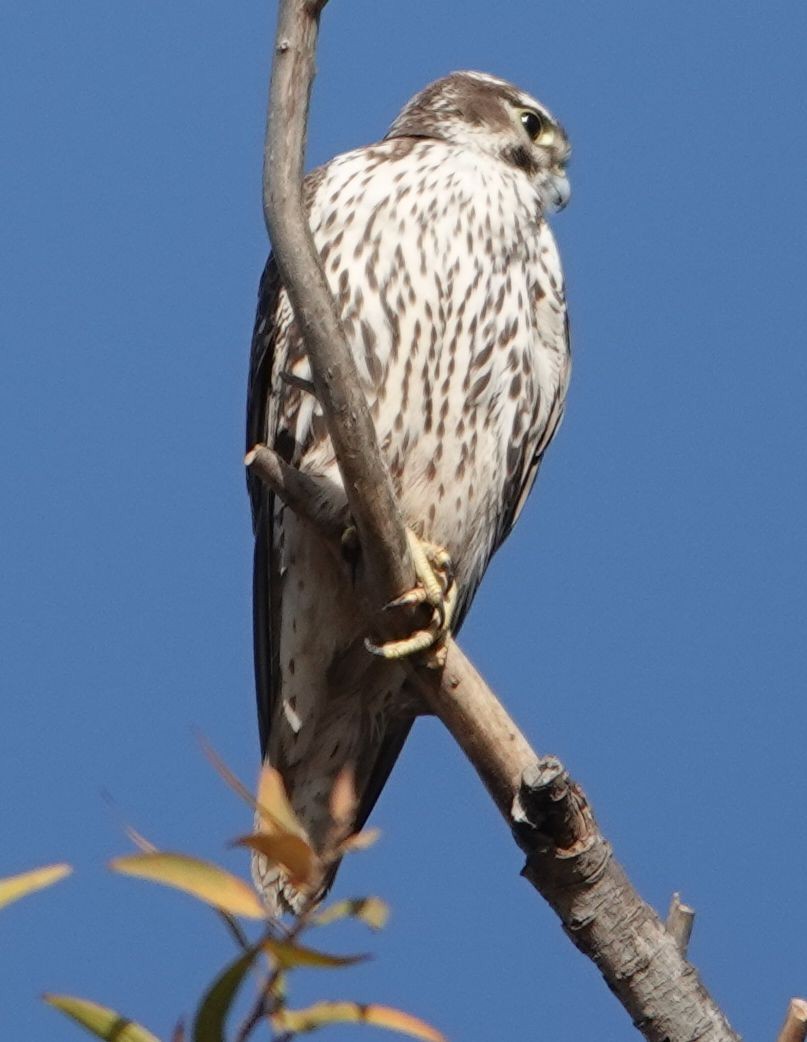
310,794
272,884
279,895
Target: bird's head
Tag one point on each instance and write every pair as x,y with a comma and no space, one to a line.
491,116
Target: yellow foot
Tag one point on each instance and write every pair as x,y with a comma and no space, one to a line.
436,587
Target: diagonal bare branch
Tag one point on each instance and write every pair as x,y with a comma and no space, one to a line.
568,860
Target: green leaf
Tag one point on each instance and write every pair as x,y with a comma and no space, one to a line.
201,879
100,1020
288,956
370,910
323,1013
12,888
208,1025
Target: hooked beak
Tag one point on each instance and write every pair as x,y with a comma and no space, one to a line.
559,188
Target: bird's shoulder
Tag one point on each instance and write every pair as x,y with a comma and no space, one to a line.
403,175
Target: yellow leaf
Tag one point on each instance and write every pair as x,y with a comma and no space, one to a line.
323,1013
274,808
371,910
202,879
291,852
360,840
288,956
343,801
12,888
272,803
101,1021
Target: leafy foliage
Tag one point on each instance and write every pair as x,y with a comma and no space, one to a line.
99,1020
278,951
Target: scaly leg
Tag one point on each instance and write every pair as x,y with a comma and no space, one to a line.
436,587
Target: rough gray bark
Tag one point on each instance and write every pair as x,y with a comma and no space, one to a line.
568,860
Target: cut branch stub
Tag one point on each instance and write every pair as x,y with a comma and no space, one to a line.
550,812
794,1028
313,498
680,920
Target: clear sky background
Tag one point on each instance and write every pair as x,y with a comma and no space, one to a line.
646,621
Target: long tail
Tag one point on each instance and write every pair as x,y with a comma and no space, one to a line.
279,895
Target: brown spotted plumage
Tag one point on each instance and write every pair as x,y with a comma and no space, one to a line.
435,245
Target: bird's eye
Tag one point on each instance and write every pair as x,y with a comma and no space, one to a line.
533,124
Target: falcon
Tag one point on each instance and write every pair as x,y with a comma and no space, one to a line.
447,278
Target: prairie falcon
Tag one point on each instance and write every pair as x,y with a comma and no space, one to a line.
447,278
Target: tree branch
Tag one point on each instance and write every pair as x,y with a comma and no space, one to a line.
568,860
309,497
385,554
794,1028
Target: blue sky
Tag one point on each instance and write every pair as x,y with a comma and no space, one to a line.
646,622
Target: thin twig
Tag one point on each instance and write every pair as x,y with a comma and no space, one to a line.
263,1006
297,381
235,931
680,920
252,1019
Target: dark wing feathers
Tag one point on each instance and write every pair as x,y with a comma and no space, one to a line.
264,606
262,428
526,471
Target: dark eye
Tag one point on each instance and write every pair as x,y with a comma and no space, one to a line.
533,124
